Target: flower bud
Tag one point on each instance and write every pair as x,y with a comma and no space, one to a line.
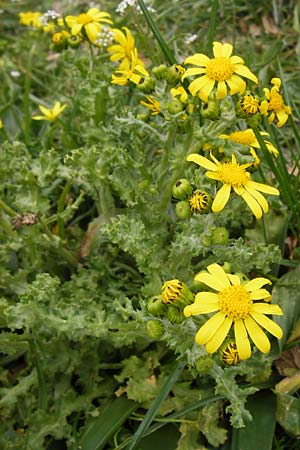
226,267
210,110
174,106
146,85
228,353
174,74
155,329
155,306
160,72
219,236
182,189
200,202
60,40
204,364
174,315
183,210
177,293
74,41
248,105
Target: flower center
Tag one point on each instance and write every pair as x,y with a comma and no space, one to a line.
276,102
235,302
84,19
246,137
233,174
219,69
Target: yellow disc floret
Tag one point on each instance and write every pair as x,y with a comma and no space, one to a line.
233,174
219,69
235,302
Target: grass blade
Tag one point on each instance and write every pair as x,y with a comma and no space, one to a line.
171,380
100,430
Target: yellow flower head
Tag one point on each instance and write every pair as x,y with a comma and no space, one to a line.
274,106
50,113
123,50
171,290
234,304
234,176
90,22
223,69
60,37
152,104
249,104
135,72
31,19
247,137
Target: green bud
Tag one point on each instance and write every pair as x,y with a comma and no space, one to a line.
155,329
146,85
144,117
174,106
155,306
160,72
227,267
206,240
74,41
244,279
174,315
182,189
219,236
174,74
183,210
200,202
204,364
210,110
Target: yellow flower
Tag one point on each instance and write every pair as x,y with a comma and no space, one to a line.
181,93
1,124
50,113
234,304
89,22
274,106
223,69
249,104
247,137
152,104
135,72
234,175
60,37
31,19
124,48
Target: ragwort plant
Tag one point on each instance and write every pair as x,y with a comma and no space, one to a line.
141,227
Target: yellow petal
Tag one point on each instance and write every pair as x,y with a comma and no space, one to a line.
241,339
251,202
206,297
268,324
221,90
206,90
236,60
236,84
210,281
257,335
198,308
221,198
266,308
219,336
209,328
194,71
202,161
222,50
242,70
198,84
259,198
76,28
259,294
218,272
199,59
262,188
92,31
256,283
234,279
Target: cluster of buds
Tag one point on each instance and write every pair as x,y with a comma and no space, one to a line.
190,201
175,295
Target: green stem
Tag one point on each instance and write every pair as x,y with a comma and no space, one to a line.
162,43
26,97
60,208
213,23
